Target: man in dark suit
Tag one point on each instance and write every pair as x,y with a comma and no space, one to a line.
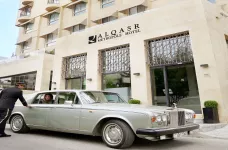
8,98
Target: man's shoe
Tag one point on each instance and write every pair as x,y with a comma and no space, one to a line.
5,135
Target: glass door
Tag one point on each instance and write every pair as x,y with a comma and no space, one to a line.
176,84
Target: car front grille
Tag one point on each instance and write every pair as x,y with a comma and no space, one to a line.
181,118
177,118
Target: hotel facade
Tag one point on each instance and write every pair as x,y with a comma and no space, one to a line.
157,51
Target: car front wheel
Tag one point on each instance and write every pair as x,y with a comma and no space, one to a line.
18,125
117,134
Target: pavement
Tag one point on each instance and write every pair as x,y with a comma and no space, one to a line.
46,140
219,131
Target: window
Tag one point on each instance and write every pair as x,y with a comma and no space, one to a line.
29,79
108,19
116,71
26,11
67,98
80,8
53,18
136,10
212,1
51,39
45,98
107,3
53,1
78,28
28,27
26,45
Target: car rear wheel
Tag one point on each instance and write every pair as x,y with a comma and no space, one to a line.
18,125
117,134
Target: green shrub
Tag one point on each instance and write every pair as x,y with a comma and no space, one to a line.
211,104
134,101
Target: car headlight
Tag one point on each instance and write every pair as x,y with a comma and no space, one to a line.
189,116
159,118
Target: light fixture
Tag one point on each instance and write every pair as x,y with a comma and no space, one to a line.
89,79
136,74
204,65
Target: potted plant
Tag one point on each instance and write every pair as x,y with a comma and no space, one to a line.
134,101
210,112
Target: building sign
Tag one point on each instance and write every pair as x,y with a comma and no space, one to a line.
117,33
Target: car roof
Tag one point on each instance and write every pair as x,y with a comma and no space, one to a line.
73,90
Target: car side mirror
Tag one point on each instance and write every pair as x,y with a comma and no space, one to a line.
68,102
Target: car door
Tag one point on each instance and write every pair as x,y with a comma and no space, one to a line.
66,114
37,115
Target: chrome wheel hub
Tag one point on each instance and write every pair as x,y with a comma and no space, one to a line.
113,134
17,123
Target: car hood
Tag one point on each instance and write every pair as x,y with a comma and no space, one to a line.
130,107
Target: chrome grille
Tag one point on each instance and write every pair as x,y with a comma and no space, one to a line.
181,118
177,118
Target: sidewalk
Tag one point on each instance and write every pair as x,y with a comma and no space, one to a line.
219,131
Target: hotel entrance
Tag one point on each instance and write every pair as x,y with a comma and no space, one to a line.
173,74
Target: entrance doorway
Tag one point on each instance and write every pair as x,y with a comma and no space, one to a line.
176,84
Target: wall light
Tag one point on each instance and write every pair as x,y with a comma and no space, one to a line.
136,74
204,65
89,79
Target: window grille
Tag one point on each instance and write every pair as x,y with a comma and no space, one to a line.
115,60
170,50
74,66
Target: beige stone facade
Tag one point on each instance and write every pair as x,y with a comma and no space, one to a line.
89,27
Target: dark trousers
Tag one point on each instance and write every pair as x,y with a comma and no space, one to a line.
4,116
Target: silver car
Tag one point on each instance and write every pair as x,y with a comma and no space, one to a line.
99,113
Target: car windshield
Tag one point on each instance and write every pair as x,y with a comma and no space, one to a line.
92,97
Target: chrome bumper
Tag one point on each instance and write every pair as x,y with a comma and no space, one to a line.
167,131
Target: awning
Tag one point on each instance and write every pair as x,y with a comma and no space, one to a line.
23,40
101,16
51,12
133,3
76,2
28,5
84,22
48,32
30,21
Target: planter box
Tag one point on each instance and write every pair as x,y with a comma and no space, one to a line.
210,115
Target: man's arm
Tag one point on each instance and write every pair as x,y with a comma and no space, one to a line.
22,99
1,93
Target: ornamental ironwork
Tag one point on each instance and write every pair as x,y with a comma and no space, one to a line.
170,50
115,60
74,66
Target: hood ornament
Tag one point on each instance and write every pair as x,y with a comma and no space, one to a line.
174,106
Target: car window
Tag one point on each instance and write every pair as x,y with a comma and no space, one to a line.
45,98
112,98
67,98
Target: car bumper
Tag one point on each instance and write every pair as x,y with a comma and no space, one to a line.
167,131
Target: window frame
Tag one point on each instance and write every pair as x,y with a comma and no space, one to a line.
26,28
107,3
109,20
53,41
81,11
73,102
137,10
79,26
55,20
38,102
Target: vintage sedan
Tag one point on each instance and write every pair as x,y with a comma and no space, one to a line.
99,113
